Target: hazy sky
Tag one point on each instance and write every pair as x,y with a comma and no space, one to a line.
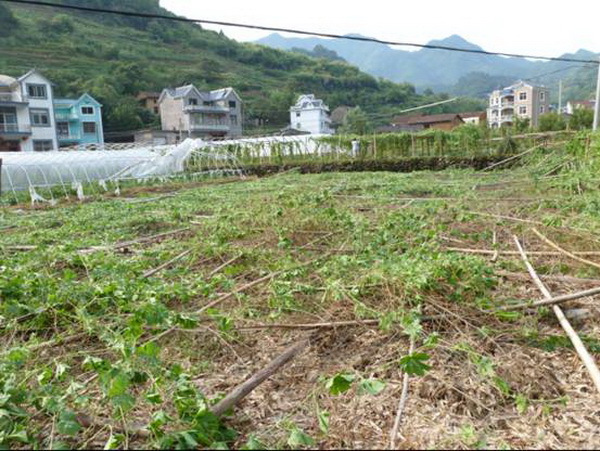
510,26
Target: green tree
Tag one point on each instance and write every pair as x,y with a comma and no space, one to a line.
124,116
356,122
521,124
60,24
581,119
7,21
551,122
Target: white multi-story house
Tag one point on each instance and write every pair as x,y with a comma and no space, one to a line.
521,100
201,114
310,115
27,120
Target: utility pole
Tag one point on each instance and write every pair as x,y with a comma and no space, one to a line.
597,102
560,97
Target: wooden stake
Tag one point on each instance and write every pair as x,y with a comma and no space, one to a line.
583,353
242,390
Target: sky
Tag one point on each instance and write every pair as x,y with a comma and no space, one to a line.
524,27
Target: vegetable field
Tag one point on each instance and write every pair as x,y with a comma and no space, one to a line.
384,310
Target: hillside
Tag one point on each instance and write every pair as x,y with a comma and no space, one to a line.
444,71
114,57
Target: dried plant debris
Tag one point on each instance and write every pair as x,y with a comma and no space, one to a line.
95,355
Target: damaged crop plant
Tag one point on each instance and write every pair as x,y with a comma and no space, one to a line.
332,310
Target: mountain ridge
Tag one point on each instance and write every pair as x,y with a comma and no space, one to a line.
428,68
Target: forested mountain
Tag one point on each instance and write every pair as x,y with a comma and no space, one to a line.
114,57
458,73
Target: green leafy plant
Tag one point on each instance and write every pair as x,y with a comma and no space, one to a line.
414,364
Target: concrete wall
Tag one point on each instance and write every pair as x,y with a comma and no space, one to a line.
172,117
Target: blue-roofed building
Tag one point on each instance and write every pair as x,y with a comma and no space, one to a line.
79,121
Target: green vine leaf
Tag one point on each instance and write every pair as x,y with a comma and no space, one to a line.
414,364
340,383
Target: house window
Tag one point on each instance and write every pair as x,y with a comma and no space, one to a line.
522,110
522,96
298,125
542,109
232,104
43,146
298,114
192,101
40,118
87,110
89,128
37,91
207,103
8,120
62,128
233,119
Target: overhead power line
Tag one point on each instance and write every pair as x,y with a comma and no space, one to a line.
294,31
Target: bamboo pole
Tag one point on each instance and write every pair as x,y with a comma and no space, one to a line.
514,157
494,252
401,403
123,244
256,282
567,253
166,264
583,353
556,277
555,300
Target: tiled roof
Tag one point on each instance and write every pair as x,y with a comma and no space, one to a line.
423,119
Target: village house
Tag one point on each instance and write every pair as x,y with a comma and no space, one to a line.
188,112
417,123
79,121
149,100
474,117
521,100
573,105
27,120
310,115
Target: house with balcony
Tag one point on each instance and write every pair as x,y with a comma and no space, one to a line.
27,114
78,121
521,100
310,114
189,112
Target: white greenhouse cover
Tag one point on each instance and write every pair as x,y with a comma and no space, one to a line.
284,145
24,170
33,171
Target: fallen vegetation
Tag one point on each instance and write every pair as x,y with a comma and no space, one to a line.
332,310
